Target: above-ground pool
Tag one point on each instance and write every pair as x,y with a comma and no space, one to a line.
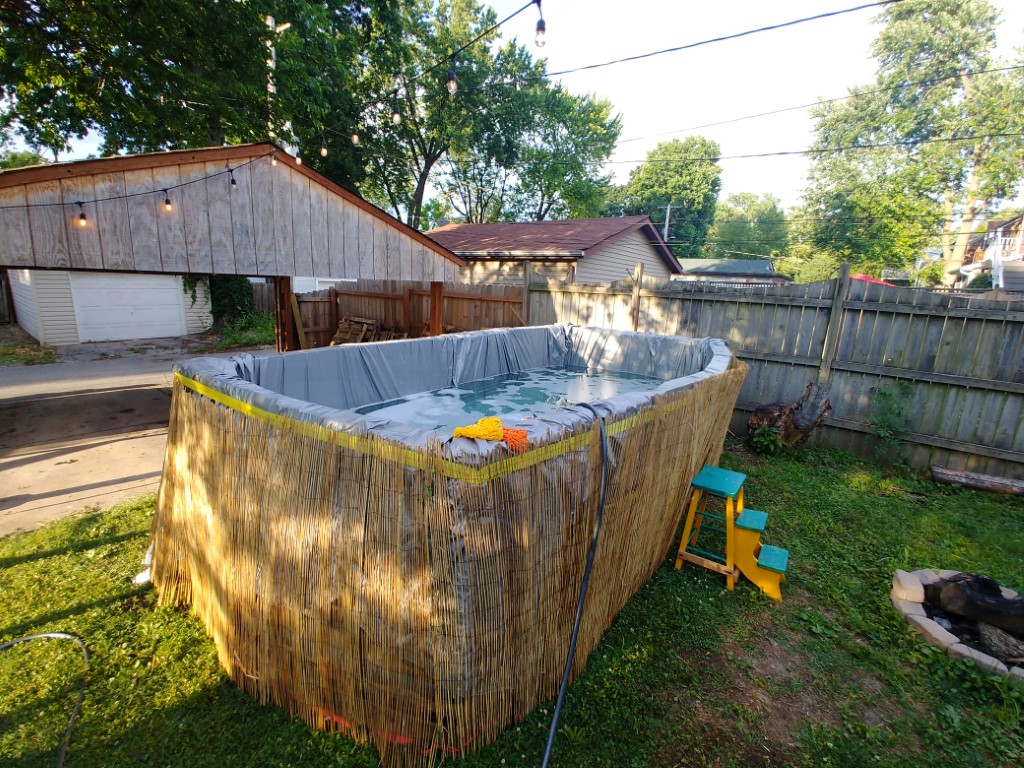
370,573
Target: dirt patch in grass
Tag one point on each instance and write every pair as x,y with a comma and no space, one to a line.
771,673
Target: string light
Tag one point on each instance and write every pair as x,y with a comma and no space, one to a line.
541,27
298,159
323,148
231,174
82,220
273,158
167,201
452,85
396,114
355,137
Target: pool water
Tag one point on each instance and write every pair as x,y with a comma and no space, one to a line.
511,396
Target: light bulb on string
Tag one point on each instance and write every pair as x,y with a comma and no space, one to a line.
298,159
82,220
452,85
323,149
273,159
231,173
355,137
396,114
541,27
167,201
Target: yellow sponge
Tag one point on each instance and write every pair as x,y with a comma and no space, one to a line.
487,428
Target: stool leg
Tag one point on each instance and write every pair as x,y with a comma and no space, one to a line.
687,527
730,543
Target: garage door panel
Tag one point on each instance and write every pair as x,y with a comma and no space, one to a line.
117,307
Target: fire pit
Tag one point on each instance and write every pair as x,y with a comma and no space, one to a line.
968,615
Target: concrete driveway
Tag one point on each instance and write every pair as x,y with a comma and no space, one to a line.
86,432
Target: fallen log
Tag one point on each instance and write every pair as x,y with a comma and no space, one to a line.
977,481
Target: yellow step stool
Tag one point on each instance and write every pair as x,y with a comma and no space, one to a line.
762,564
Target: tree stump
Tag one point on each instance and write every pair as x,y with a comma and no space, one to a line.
794,421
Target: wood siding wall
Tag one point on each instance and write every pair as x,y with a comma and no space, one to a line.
963,358
274,221
511,272
618,260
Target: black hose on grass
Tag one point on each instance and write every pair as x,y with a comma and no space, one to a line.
81,691
583,587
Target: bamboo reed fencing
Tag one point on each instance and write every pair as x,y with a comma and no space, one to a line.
396,600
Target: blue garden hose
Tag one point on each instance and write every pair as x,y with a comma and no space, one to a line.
583,587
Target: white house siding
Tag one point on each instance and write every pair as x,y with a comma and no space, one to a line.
198,316
618,260
25,301
511,272
55,306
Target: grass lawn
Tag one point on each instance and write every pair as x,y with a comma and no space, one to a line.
688,674
18,348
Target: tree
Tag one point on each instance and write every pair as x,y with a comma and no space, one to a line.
748,225
951,143
552,169
178,74
562,154
12,158
685,175
482,119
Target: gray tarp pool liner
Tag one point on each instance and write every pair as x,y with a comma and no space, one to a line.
324,386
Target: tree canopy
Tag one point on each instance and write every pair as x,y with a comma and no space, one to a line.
680,179
747,225
921,156
330,74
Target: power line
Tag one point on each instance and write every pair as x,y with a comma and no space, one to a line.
929,81
734,36
823,151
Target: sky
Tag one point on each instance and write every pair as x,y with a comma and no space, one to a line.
759,73
667,96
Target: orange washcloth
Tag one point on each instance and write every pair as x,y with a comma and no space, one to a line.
515,438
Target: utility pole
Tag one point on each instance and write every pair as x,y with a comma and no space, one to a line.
668,209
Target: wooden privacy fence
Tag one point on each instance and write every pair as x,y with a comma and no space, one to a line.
961,357
415,308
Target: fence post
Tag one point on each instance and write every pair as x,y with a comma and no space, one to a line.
436,308
835,322
407,309
527,276
332,312
283,319
638,279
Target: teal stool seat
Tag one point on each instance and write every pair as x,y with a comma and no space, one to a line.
752,520
773,558
723,483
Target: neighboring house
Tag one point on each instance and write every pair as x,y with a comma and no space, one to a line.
729,271
97,249
577,250
1000,245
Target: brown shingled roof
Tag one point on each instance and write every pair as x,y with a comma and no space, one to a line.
572,239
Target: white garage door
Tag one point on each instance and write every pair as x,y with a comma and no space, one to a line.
114,307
